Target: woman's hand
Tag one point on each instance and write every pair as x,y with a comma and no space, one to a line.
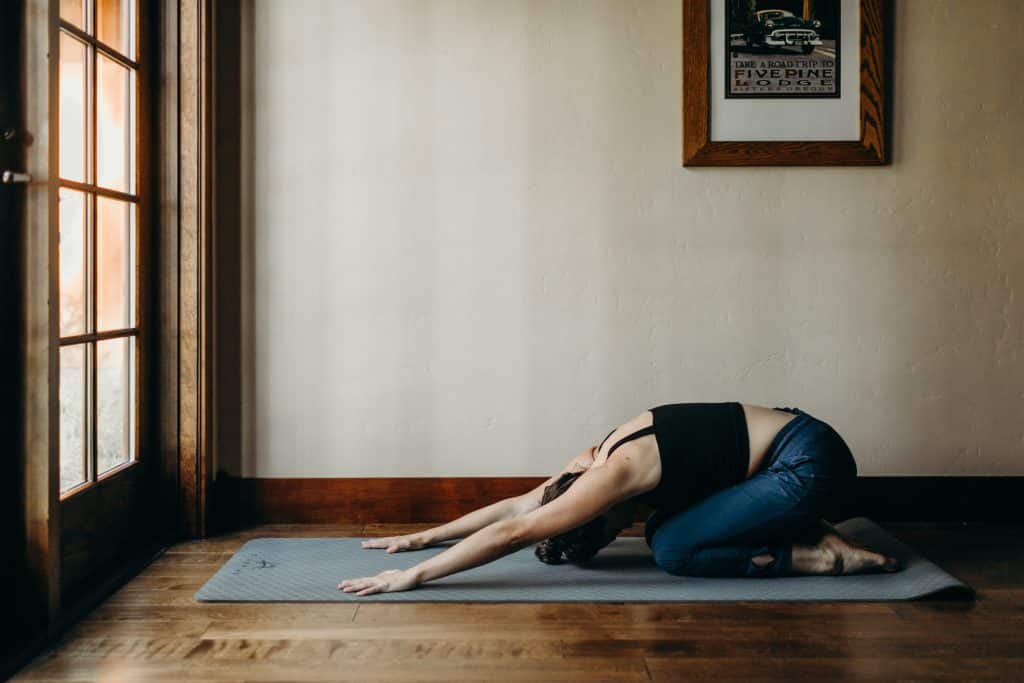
388,581
397,544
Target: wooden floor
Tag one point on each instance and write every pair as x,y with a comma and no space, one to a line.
152,630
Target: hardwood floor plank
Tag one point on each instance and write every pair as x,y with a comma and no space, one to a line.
412,631
141,628
140,647
482,614
391,650
553,669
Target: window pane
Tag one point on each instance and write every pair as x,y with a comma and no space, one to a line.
73,263
115,264
73,108
115,403
73,11
115,132
74,429
115,25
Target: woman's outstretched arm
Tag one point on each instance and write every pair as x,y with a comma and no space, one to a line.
458,528
467,524
594,492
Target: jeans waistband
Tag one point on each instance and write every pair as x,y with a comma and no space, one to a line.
795,411
802,418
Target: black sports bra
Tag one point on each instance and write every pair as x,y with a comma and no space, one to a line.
643,431
704,448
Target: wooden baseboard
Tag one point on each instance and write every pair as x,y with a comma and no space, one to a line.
358,500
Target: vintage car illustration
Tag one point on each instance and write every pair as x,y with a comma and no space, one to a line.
777,28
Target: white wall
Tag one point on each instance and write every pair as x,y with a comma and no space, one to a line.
472,249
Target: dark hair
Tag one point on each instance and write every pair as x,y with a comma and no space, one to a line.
576,545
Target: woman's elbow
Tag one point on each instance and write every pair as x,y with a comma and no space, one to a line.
514,534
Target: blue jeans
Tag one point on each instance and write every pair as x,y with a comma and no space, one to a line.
807,474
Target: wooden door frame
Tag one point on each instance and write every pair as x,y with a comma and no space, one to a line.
186,265
202,256
40,436
178,363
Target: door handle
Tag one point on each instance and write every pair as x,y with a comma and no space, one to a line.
13,177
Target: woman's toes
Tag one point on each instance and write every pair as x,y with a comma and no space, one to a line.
838,566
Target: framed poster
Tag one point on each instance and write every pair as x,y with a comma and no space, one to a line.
784,82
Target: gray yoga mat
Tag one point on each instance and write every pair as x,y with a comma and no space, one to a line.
309,570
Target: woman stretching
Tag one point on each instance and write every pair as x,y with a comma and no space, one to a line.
737,491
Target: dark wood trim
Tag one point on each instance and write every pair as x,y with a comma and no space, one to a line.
402,500
361,500
194,267
165,360
100,336
870,149
183,275
146,445
188,269
39,319
696,84
206,285
102,191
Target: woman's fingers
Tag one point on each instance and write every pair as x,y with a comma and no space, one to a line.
366,586
362,581
355,589
392,544
395,544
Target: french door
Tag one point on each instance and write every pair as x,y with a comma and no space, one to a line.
85,185
103,228
105,125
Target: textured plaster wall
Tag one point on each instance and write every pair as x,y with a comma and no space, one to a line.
472,249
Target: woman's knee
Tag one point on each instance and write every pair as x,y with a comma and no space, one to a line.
674,559
675,563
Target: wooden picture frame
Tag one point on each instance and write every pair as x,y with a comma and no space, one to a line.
871,149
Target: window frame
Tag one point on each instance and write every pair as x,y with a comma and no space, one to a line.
139,201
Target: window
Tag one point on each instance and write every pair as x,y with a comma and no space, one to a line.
98,246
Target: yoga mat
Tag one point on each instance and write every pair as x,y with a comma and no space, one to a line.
309,570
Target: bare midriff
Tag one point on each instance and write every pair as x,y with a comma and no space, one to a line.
762,426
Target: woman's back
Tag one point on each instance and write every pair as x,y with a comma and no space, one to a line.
684,450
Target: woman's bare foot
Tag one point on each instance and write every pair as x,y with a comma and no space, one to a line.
835,554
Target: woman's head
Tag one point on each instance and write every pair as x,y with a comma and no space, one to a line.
582,543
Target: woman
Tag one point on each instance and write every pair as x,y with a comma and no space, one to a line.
738,490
